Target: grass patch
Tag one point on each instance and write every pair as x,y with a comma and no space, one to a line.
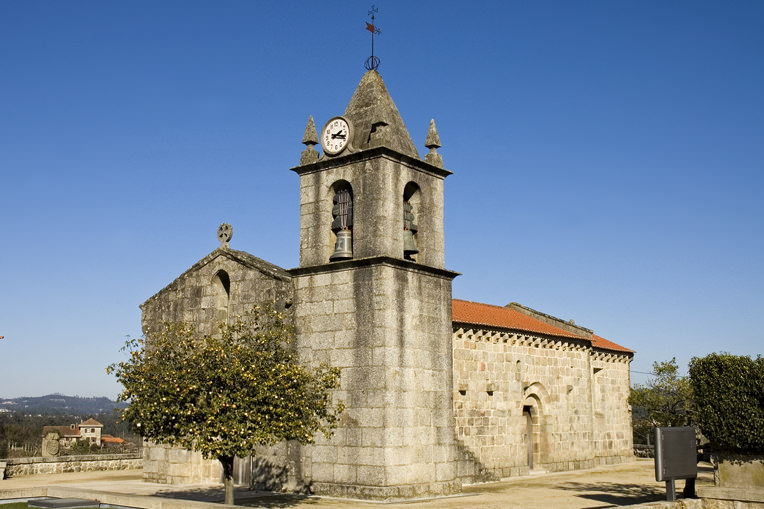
24,505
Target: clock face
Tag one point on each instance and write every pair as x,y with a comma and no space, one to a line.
335,136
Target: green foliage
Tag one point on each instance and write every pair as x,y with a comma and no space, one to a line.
729,399
666,400
22,505
226,394
81,447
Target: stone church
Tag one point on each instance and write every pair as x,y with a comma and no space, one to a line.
438,391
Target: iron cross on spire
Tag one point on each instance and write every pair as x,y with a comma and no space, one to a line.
372,63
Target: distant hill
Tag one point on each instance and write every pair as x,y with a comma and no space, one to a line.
59,404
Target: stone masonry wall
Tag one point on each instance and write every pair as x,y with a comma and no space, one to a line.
198,297
387,329
174,465
16,467
612,413
500,376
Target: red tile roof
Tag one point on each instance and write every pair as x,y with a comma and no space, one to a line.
475,313
599,342
63,431
91,422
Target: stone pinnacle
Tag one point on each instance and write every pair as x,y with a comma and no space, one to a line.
311,136
432,140
433,143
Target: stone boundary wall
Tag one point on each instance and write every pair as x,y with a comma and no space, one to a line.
16,467
166,464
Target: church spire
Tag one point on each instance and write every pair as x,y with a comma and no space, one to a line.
375,118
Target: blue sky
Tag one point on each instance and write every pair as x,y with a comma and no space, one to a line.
607,159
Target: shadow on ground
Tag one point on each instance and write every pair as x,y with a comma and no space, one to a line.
243,497
616,493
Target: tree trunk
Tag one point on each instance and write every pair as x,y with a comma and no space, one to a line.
227,462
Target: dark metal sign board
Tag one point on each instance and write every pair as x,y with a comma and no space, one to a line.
676,457
676,454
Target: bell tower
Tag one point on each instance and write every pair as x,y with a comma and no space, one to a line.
372,297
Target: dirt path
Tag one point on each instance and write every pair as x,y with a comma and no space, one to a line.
616,485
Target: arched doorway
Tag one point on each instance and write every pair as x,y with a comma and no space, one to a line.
528,435
532,424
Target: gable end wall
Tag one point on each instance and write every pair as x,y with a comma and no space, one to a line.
195,298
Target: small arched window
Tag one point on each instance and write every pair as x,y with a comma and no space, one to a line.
221,284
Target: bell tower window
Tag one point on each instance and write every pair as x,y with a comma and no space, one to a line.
342,221
410,228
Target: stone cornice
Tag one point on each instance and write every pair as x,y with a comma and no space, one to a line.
606,355
474,332
517,337
373,261
327,162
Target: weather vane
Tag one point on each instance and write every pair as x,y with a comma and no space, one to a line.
372,63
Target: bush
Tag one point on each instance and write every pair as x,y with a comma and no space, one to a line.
729,401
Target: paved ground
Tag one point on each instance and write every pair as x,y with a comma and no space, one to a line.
617,485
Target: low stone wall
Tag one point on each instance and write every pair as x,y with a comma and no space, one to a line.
738,471
175,465
16,467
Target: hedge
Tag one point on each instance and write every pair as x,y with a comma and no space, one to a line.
729,401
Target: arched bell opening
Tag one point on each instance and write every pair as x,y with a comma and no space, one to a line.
221,286
411,207
342,221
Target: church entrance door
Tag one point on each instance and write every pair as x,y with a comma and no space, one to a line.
528,434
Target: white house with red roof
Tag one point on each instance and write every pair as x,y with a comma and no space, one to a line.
56,437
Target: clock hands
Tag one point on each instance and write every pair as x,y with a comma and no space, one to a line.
339,134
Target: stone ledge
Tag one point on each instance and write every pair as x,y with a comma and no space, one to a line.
387,493
374,261
72,458
738,494
372,153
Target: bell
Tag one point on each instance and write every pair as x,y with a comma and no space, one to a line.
343,250
409,246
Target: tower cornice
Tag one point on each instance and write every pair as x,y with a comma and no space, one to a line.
371,261
373,153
